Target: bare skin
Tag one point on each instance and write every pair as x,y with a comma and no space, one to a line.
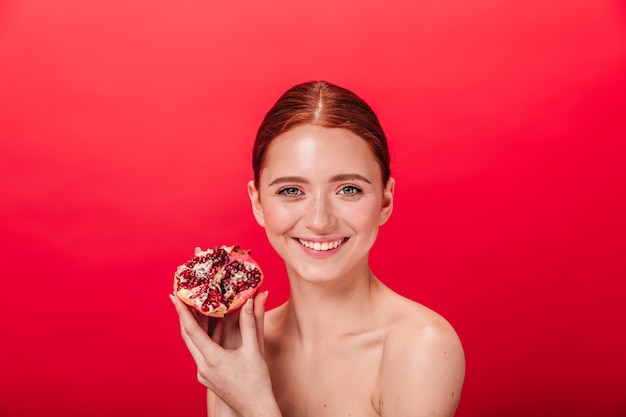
344,344
388,356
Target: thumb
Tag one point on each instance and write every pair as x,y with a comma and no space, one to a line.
247,325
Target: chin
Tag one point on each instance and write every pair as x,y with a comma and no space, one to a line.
328,273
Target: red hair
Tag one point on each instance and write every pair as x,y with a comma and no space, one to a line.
323,104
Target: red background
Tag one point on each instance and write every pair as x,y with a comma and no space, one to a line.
125,132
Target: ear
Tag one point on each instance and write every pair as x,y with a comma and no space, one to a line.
387,207
255,201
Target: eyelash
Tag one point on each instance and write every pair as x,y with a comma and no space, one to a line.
289,191
354,190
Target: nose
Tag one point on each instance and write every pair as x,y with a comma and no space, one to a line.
320,217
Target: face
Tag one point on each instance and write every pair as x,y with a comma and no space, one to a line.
321,199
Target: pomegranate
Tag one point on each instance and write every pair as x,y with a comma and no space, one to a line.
218,280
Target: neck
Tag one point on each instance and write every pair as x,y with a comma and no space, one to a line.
319,312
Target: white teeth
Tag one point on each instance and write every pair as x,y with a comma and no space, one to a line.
321,246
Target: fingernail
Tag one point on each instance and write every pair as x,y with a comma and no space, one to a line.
267,293
172,299
249,305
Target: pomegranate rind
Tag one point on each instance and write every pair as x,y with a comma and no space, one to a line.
208,275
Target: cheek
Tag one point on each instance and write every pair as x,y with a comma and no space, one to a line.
277,218
365,217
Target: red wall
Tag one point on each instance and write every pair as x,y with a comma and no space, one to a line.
125,129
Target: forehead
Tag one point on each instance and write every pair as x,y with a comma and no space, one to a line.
317,150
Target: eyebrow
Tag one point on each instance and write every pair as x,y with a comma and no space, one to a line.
339,177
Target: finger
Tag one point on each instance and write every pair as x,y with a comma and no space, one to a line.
193,349
231,322
192,333
247,325
218,331
211,326
259,317
196,354
203,321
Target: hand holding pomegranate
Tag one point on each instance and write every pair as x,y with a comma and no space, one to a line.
230,361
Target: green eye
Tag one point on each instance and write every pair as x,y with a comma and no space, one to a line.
290,192
350,190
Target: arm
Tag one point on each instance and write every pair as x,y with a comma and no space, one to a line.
422,372
239,378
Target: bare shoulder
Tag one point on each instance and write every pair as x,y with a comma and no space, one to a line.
414,328
423,364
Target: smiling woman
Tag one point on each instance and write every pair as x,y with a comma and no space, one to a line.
321,187
343,343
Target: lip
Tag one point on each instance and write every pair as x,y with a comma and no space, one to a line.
321,253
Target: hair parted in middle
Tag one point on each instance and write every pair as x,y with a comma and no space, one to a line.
322,104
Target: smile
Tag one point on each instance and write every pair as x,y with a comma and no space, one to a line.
321,246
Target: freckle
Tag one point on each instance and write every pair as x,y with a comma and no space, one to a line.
453,393
324,405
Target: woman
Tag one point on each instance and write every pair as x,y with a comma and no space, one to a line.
343,344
